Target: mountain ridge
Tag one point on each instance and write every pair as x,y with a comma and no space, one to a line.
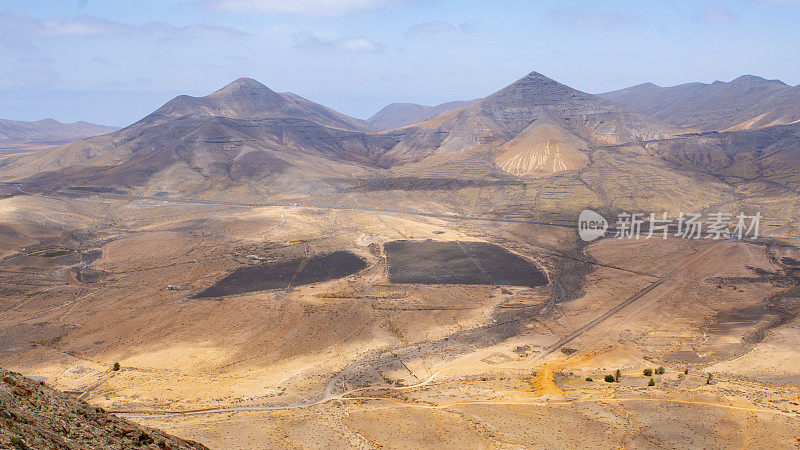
398,115
21,136
245,134
246,98
745,102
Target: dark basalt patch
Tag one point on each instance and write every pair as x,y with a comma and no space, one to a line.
455,262
283,274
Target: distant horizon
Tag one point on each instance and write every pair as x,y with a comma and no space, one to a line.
113,62
149,95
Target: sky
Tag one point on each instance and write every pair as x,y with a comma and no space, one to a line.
114,61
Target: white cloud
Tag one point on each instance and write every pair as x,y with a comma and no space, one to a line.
80,26
438,27
202,31
302,7
431,28
588,19
17,27
714,14
315,41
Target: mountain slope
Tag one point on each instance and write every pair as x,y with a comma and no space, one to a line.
542,148
246,138
36,416
24,136
399,115
246,98
770,154
482,127
744,103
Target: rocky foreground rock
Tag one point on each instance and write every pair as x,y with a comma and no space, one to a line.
34,416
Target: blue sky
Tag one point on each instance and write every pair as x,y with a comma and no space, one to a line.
114,61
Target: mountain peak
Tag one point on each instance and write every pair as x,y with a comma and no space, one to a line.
534,89
647,85
243,87
246,98
754,80
538,79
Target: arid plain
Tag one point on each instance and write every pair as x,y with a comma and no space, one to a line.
115,265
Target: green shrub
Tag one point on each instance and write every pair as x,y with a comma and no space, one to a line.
652,382
617,375
686,372
116,366
648,372
610,379
660,370
589,379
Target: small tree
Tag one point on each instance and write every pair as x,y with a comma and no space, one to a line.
652,382
660,370
609,378
708,378
116,366
617,376
648,372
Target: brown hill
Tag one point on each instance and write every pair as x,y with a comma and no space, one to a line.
247,139
481,128
764,155
746,102
35,416
246,98
19,136
398,115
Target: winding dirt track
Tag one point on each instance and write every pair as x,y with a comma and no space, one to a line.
326,397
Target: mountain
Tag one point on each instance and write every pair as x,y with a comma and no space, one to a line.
509,127
744,103
246,139
398,115
246,98
760,155
19,136
241,134
36,416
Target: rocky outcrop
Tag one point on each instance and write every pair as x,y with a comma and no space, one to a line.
34,416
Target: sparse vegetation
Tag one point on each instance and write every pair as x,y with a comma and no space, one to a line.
708,378
617,375
589,379
568,351
483,378
660,370
116,367
686,372
648,372
652,382
610,379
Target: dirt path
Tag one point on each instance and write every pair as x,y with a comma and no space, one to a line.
544,384
565,340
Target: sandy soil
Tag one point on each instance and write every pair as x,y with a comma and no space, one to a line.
400,365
